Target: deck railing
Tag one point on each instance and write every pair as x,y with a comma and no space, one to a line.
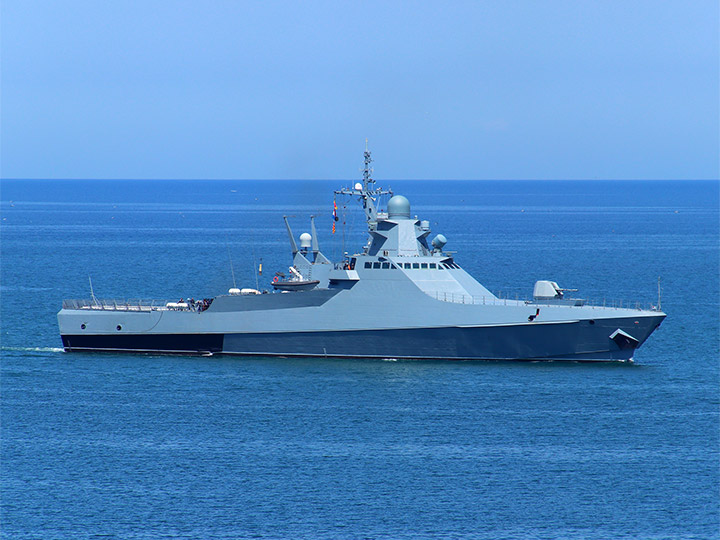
457,298
128,305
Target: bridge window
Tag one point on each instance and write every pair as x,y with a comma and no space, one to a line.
423,265
407,266
368,265
376,265
446,265
385,266
432,265
416,265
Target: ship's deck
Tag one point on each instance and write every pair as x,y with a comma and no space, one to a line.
138,305
130,305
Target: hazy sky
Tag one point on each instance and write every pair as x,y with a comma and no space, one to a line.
460,90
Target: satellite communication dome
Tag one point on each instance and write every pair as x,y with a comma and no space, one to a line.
305,240
358,186
398,207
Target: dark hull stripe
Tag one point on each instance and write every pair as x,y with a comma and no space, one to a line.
569,341
181,343
573,341
142,351
600,356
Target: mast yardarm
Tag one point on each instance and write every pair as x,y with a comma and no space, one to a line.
366,192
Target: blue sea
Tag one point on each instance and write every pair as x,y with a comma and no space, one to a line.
145,446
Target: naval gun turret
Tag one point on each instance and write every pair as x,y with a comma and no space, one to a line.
549,292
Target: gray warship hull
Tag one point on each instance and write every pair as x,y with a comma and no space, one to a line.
400,297
281,325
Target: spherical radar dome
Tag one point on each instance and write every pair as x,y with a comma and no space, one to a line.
305,240
398,207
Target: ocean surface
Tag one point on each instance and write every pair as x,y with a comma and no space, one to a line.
145,446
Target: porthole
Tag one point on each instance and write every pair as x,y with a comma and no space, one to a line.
83,326
591,321
118,327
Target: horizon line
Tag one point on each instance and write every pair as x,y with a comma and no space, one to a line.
66,179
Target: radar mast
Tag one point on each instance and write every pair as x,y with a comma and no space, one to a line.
366,192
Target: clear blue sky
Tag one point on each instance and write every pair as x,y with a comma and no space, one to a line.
461,90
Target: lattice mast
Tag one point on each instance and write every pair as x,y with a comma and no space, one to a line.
366,192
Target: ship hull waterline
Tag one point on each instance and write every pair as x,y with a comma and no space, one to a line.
577,340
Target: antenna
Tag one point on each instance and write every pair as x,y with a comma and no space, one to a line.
367,171
92,293
368,194
314,241
293,245
232,270
255,268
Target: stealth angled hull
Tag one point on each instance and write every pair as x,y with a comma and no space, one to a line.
325,323
400,297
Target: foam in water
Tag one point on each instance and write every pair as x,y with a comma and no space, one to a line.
34,349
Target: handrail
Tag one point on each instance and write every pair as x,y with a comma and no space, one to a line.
132,305
457,298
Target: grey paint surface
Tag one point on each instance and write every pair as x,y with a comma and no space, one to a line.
412,302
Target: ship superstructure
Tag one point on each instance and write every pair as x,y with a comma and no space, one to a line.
401,297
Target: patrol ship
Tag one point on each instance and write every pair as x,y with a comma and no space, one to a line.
400,297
